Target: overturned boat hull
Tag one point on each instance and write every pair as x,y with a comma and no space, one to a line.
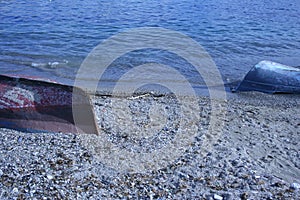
271,77
38,105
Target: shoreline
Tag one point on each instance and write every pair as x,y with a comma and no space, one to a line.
255,157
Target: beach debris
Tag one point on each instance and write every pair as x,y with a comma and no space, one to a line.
34,104
271,77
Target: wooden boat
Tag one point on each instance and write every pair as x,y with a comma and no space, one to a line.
271,77
33,104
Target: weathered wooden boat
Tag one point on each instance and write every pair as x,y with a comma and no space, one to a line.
34,104
271,77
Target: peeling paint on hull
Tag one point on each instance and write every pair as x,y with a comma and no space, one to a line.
38,105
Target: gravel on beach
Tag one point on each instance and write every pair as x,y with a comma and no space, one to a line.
254,156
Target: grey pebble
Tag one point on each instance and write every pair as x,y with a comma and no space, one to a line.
20,139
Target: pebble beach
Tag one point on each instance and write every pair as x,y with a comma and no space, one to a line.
255,156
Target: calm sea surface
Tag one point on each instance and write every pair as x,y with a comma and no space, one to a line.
52,38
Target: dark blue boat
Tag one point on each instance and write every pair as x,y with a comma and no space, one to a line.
271,77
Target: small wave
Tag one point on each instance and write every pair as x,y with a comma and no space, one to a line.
51,65
38,64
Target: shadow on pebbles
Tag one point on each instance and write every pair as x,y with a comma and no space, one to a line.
252,152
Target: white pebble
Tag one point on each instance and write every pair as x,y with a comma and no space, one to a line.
15,190
50,177
295,186
257,177
217,197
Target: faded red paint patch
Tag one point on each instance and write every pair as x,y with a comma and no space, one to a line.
30,104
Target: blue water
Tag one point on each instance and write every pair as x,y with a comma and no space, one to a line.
51,38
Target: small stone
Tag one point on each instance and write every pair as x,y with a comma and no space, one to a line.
295,186
49,176
20,139
227,196
244,196
208,197
217,197
235,162
15,190
1,173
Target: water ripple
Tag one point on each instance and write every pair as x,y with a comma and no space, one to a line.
237,33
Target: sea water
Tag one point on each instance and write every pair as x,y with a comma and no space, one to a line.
52,38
